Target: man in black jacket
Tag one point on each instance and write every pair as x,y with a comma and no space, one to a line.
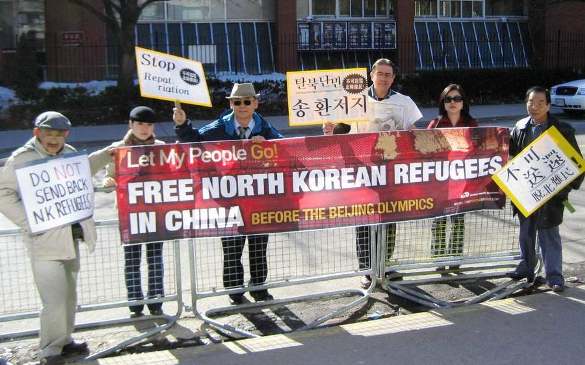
545,220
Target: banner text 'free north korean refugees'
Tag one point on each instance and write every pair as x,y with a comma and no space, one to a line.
228,188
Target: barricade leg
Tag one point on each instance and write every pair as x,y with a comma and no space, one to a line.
475,246
294,259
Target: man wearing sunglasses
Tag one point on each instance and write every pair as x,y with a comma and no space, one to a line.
242,122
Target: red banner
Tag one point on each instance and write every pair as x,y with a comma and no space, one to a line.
243,187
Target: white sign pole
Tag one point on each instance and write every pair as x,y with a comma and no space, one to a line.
56,191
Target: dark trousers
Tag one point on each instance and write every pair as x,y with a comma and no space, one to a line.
233,270
364,235
439,246
154,259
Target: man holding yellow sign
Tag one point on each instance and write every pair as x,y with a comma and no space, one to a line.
546,216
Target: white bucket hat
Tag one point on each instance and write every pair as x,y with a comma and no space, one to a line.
245,90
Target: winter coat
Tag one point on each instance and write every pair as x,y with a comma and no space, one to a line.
550,214
224,129
56,243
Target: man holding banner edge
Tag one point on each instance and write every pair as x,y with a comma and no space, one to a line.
545,221
54,253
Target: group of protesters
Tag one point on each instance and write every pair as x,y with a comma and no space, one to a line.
54,254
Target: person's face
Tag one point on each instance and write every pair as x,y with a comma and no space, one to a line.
244,108
142,130
537,106
382,77
453,102
52,140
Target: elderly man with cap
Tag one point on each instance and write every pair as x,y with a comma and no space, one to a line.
242,122
54,254
140,133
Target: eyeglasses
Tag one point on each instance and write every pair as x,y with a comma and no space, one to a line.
457,99
239,102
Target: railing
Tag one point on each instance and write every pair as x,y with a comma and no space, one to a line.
100,286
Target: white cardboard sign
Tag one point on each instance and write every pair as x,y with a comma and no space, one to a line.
315,97
167,77
540,171
56,191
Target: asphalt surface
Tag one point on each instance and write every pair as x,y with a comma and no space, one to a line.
538,329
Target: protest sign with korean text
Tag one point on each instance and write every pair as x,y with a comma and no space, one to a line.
166,77
539,171
56,191
315,97
227,188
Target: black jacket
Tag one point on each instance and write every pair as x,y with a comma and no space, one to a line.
550,214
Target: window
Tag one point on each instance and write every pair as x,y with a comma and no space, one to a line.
458,9
344,7
425,8
505,8
7,38
154,11
324,7
356,8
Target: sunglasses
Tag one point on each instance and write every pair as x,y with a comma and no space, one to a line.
457,99
239,102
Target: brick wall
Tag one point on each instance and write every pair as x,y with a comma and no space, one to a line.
565,35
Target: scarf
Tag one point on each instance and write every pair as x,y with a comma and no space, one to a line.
131,140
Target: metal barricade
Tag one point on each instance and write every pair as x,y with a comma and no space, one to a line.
293,259
465,247
100,285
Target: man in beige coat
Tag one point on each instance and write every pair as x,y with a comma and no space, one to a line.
54,254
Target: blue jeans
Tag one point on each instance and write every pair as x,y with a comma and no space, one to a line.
549,240
132,255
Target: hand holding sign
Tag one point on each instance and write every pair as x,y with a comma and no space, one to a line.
179,116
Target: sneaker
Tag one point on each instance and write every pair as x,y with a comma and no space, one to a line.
75,348
261,295
236,299
52,360
365,282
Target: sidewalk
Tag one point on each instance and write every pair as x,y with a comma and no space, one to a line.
10,140
538,329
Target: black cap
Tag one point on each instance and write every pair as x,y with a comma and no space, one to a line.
142,114
52,120
341,128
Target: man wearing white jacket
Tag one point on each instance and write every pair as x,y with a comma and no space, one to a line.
54,254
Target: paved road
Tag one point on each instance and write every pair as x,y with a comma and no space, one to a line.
538,329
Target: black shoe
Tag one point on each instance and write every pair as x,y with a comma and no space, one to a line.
393,276
236,299
52,360
75,348
538,281
261,295
519,276
156,312
557,288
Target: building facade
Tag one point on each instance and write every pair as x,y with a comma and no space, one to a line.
265,36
